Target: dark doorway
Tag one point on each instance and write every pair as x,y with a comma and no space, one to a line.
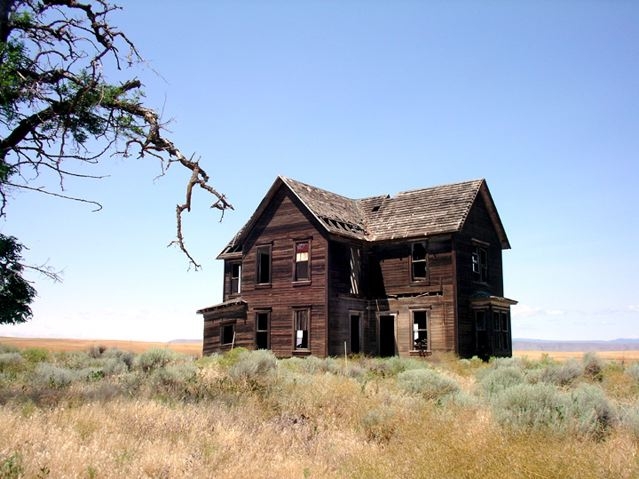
355,342
387,336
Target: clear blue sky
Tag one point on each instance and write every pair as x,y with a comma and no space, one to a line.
364,98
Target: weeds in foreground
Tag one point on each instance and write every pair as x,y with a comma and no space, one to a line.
109,413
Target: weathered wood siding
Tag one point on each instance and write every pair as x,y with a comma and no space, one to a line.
392,291
281,225
212,328
479,227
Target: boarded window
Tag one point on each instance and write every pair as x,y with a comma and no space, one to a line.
227,333
418,262
262,323
480,264
301,320
263,264
236,273
420,331
302,256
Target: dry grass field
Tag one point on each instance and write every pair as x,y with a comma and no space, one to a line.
57,345
74,409
195,348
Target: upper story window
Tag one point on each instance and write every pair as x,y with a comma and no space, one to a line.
263,264
480,264
418,261
355,262
302,261
236,278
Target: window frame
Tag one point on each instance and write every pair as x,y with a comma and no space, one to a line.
426,330
297,311
235,280
296,261
223,328
267,331
479,263
260,251
418,262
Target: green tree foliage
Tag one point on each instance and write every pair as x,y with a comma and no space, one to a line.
16,293
60,112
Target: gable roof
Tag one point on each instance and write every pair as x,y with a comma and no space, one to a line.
410,214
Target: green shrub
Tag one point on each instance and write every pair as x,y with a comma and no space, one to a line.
96,350
593,366
591,411
174,377
35,355
394,365
562,374
229,358
49,375
427,383
633,371
629,419
8,348
494,381
154,358
113,366
125,357
530,407
500,363
253,365
10,361
11,466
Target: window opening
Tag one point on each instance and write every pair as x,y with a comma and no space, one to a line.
302,250
418,262
236,273
263,264
355,267
262,320
420,331
480,264
301,318
227,333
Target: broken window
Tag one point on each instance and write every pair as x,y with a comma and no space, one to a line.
355,268
227,333
480,264
301,320
236,273
420,331
263,264
418,262
262,320
302,271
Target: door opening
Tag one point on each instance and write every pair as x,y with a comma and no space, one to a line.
355,339
387,343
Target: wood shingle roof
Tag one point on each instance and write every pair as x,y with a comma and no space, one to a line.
409,214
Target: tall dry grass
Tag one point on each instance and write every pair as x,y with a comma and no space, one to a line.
246,414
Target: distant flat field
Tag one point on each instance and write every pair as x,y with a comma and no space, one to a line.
195,348
192,348
629,355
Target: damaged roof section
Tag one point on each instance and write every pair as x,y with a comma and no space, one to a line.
410,214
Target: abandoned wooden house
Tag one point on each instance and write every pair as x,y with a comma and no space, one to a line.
314,272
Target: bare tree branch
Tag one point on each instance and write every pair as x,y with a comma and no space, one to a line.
55,98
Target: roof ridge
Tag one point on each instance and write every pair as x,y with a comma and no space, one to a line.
457,183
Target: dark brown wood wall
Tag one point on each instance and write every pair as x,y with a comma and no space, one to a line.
478,226
280,226
435,294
